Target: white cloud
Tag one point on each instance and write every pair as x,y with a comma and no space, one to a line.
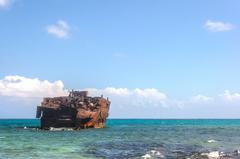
201,98
125,103
124,97
5,3
218,26
19,86
134,103
232,97
60,30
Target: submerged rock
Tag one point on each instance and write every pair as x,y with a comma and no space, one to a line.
77,110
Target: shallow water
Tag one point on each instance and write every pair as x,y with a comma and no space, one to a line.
122,139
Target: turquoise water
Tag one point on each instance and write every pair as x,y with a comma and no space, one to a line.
121,139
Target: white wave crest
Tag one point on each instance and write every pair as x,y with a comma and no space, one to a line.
153,153
211,141
60,129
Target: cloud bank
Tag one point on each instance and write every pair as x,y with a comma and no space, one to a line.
202,98
23,87
134,98
125,103
60,30
231,97
218,26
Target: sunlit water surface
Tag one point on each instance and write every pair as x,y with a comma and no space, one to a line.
123,139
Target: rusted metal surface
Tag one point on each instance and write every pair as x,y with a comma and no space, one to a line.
77,111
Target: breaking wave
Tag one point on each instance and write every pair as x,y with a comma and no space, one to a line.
211,141
154,154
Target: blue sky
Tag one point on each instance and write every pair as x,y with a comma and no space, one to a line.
183,49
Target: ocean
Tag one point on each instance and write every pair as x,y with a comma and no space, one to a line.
123,139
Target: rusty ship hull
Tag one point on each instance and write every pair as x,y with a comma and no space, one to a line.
77,111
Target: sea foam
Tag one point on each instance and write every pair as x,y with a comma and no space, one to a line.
61,129
213,154
211,141
153,153
146,156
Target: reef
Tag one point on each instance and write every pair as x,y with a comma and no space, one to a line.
77,111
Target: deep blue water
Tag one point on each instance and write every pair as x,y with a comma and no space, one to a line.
123,138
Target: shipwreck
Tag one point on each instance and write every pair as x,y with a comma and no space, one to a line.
77,111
